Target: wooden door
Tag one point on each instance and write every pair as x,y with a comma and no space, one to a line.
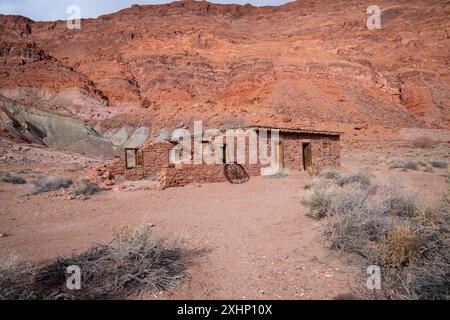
307,156
280,154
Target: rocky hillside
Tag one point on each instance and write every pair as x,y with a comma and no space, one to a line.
307,63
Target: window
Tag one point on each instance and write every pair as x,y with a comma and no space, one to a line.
325,146
133,158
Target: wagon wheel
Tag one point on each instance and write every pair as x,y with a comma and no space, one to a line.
235,173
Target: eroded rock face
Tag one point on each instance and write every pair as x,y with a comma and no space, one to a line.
30,125
307,63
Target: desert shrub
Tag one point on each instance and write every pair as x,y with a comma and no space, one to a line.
16,279
398,248
134,261
408,238
423,142
398,204
330,174
50,183
25,171
412,165
355,218
83,187
73,169
317,183
344,233
394,164
439,164
355,177
351,199
11,178
425,273
319,201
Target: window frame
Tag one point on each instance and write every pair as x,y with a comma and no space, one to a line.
137,164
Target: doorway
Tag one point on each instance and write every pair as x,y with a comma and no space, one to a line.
280,154
307,155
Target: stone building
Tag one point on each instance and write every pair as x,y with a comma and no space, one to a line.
294,150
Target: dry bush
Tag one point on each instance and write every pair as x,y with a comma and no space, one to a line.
410,239
427,276
343,232
83,187
355,177
438,164
134,261
50,183
355,219
11,178
318,182
423,142
398,204
330,174
428,168
412,165
319,201
16,279
398,249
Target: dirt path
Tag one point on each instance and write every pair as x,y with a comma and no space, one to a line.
259,242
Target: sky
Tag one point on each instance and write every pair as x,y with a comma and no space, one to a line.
44,10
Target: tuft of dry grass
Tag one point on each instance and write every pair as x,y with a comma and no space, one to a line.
319,201
397,204
83,187
408,238
439,164
50,183
412,165
398,247
423,142
134,261
11,178
330,174
356,177
16,279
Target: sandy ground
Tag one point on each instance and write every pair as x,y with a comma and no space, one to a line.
257,239
260,245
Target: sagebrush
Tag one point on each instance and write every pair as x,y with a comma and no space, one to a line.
408,238
49,183
83,187
12,178
134,261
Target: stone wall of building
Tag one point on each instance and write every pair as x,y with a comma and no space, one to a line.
325,152
155,156
321,157
326,157
184,174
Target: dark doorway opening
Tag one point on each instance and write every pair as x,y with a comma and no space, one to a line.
307,155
